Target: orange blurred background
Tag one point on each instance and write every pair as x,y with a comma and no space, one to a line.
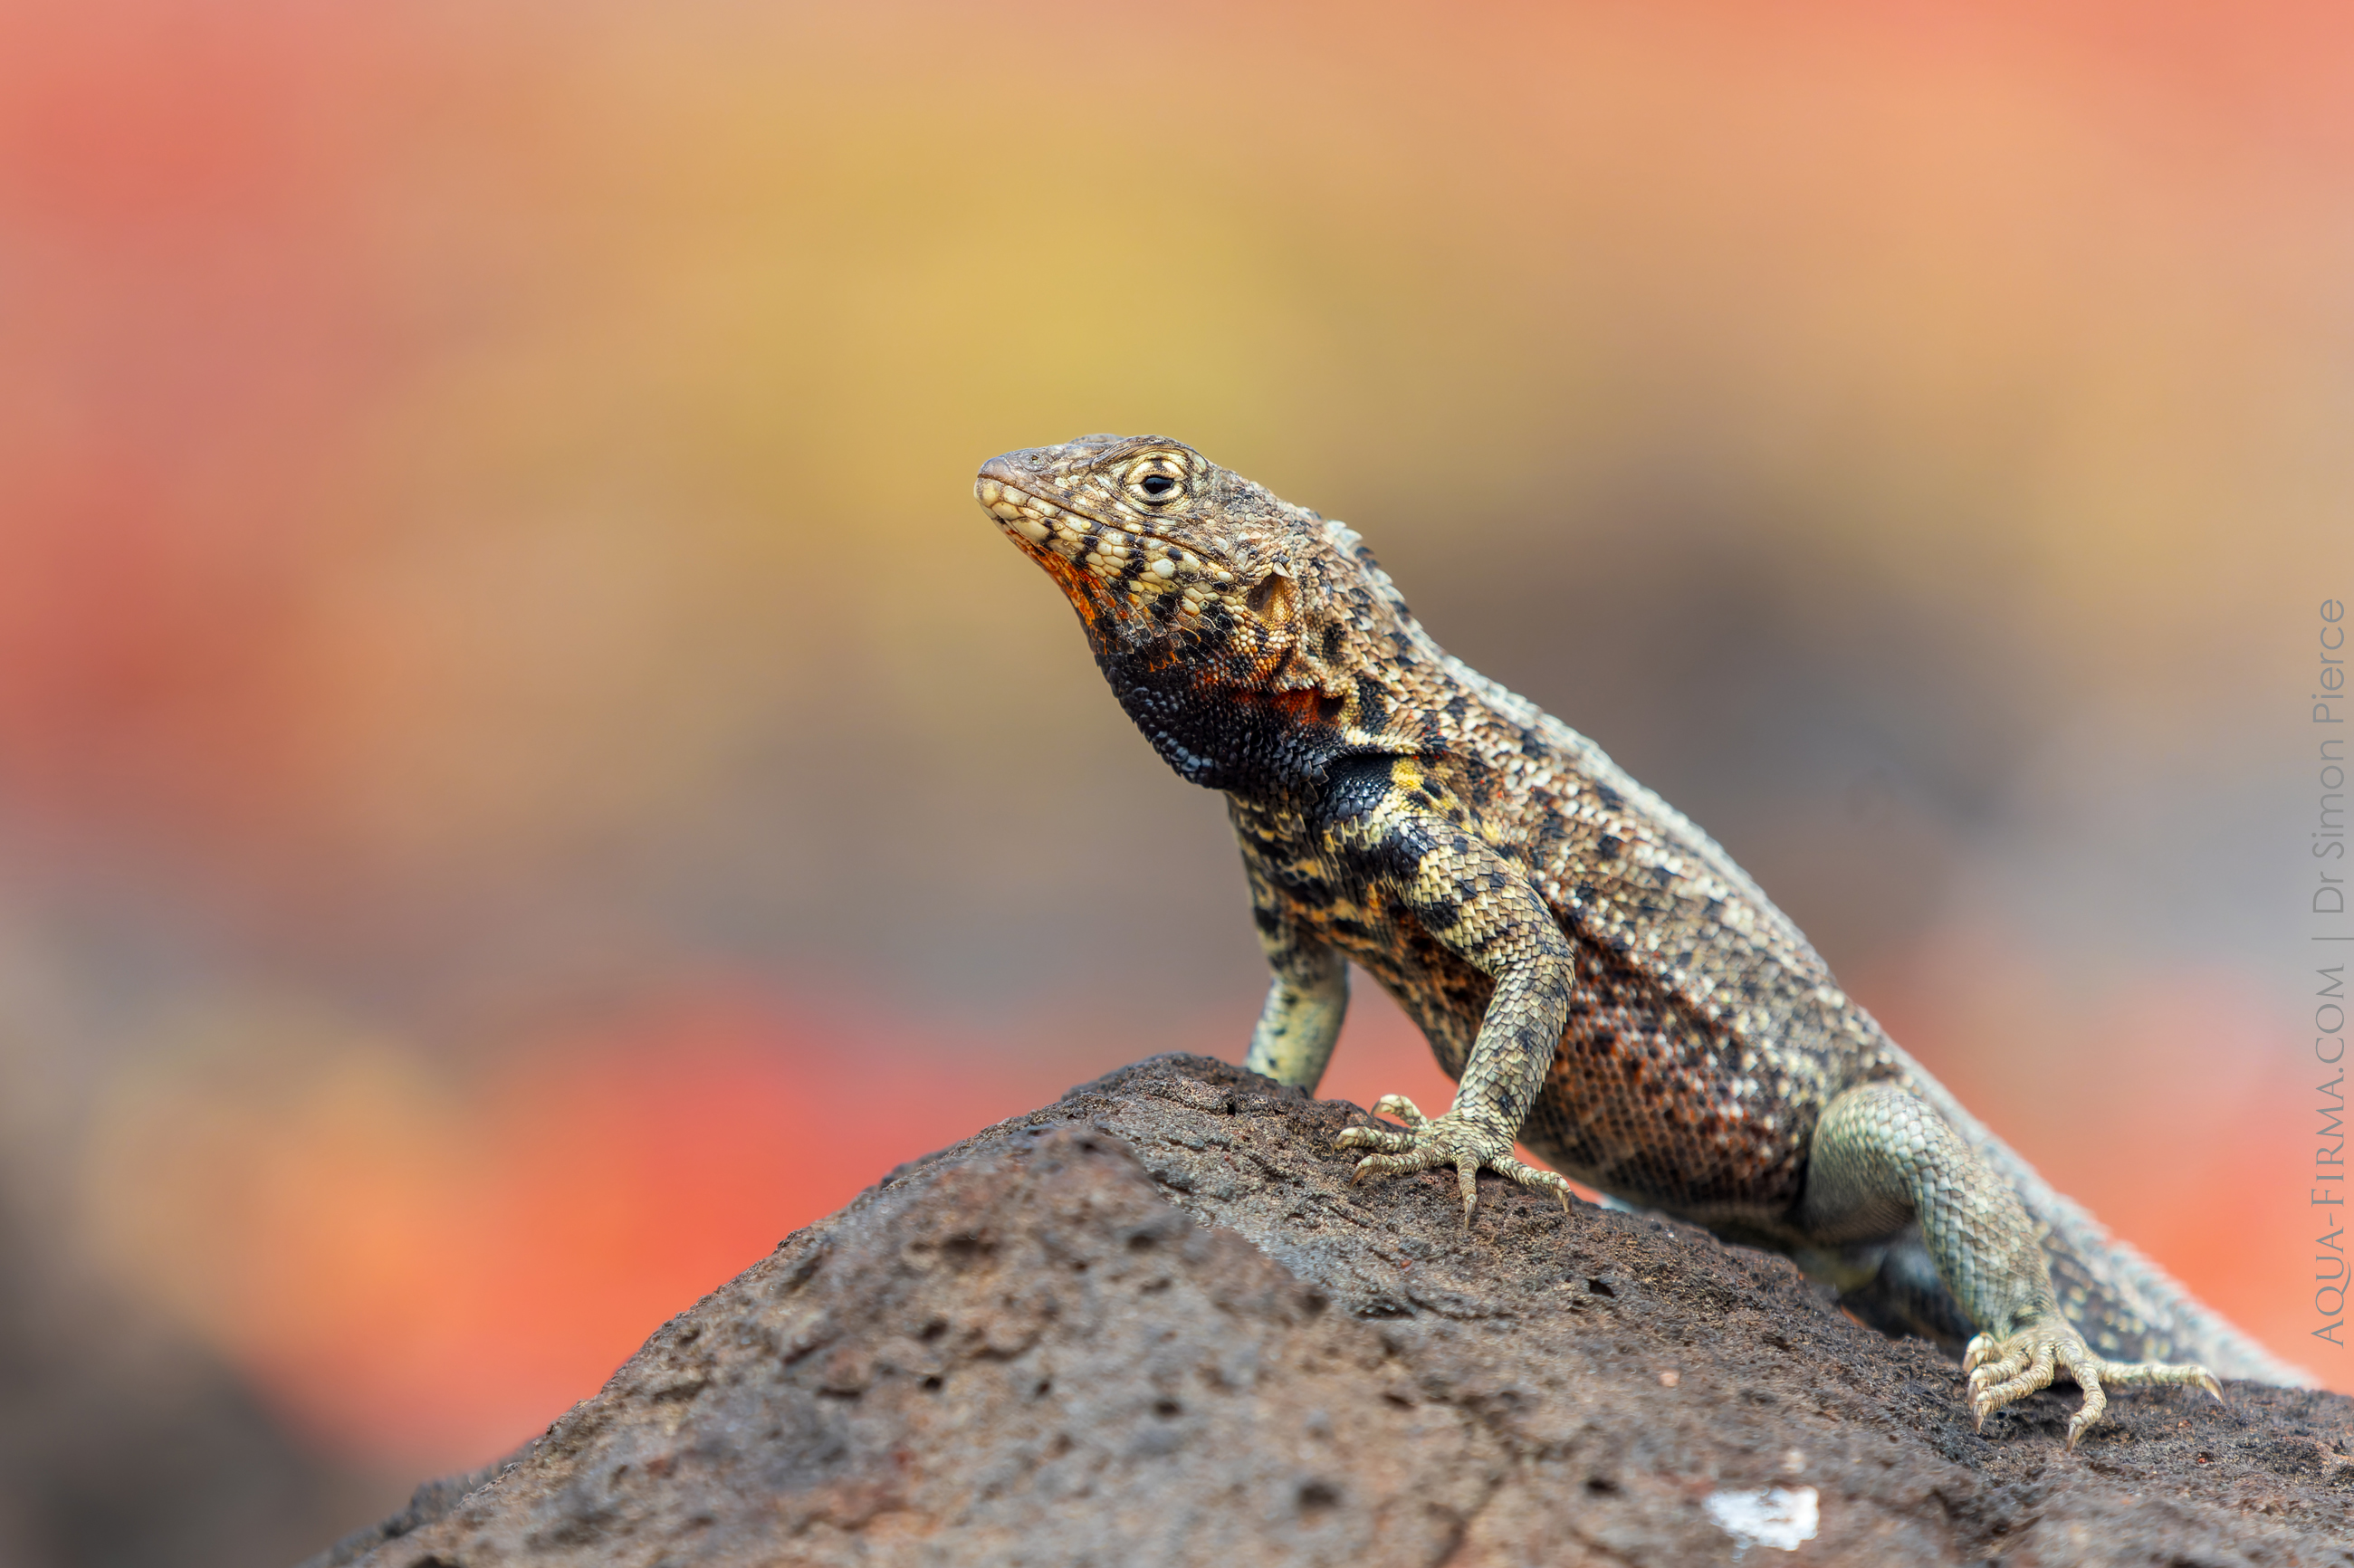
525,777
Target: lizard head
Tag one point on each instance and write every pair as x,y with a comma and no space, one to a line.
1248,637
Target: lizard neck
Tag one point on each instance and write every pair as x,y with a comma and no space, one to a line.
1253,743
1264,709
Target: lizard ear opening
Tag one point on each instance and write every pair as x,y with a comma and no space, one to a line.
1273,599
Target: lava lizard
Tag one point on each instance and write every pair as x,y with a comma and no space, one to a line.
1600,978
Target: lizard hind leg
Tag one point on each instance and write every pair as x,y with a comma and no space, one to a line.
1882,1158
1429,1143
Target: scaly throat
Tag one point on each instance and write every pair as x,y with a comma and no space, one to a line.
1248,740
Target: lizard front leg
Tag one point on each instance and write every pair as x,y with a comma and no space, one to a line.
1301,1021
1404,833
1882,1157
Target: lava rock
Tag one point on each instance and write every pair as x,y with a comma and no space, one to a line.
1154,1323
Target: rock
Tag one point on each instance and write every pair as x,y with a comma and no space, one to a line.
1154,1323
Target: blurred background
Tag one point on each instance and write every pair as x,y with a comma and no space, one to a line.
525,777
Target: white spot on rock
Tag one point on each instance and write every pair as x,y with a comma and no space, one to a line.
1781,1518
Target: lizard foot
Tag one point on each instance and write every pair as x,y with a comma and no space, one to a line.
1452,1139
2002,1371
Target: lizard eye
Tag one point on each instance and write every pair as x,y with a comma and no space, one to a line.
1151,482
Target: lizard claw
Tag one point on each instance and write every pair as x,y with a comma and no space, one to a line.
1450,1139
2002,1371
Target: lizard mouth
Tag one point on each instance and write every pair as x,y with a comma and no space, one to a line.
1120,557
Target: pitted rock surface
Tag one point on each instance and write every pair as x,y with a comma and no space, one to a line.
1154,1323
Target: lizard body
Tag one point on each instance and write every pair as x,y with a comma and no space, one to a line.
1601,979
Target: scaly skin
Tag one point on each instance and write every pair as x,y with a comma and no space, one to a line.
1602,982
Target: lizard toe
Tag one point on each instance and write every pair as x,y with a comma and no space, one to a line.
1400,1164
2087,1374
1530,1176
2162,1374
1382,1139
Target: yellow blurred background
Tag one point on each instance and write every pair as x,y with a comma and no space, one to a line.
525,777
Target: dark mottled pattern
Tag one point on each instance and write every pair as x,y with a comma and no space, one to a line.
1600,978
